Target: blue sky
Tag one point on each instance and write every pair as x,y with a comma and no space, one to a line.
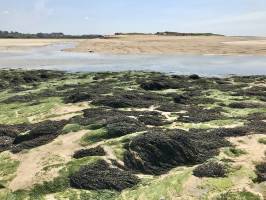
232,17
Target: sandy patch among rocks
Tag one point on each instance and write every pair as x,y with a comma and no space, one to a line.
33,161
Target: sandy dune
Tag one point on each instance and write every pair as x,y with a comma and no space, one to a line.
174,44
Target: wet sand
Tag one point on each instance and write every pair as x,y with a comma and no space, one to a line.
25,44
151,44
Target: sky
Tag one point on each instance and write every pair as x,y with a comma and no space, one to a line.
229,17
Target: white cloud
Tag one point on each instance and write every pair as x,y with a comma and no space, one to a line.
86,18
5,12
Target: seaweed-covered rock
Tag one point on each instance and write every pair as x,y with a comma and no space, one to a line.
155,85
194,76
261,172
196,115
97,151
259,91
256,116
127,99
78,96
157,152
40,134
8,131
42,129
182,99
5,143
153,120
257,126
210,169
244,105
122,126
14,78
30,144
101,176
232,132
170,107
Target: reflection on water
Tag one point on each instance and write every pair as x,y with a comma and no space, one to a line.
51,57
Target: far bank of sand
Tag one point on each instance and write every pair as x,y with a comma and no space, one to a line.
24,44
152,44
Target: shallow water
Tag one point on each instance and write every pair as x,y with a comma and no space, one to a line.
51,57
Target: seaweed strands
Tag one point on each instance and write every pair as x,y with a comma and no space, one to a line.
261,172
127,99
40,134
242,105
232,132
156,152
8,133
211,169
97,151
196,115
100,176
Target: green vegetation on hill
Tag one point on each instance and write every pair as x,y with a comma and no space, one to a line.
12,34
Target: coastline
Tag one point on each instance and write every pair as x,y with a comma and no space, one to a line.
188,45
150,44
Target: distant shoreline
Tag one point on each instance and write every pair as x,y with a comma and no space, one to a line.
150,44
161,44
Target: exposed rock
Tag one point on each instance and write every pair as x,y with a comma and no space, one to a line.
100,176
97,151
210,169
157,152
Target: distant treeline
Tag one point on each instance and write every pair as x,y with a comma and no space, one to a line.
134,33
186,34
168,33
6,34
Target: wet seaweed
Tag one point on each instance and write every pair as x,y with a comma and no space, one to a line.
196,115
97,151
14,78
37,135
157,152
100,176
126,99
232,132
211,169
241,105
261,172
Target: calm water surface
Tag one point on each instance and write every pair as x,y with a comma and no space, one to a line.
51,57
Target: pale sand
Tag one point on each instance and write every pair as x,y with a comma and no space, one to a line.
32,162
255,153
151,44
24,44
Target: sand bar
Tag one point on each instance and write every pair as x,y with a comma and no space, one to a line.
152,44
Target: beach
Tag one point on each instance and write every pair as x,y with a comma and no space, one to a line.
150,44
26,44
154,44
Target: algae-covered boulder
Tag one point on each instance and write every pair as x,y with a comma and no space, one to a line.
210,169
39,134
96,151
261,172
100,176
156,152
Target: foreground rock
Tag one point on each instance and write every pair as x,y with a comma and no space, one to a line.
210,169
261,172
158,152
101,176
